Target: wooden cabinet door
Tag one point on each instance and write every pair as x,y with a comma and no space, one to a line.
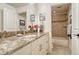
45,44
35,47
59,29
41,48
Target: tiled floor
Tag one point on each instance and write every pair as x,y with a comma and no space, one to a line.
60,46
60,50
61,41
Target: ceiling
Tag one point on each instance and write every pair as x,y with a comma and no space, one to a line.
16,5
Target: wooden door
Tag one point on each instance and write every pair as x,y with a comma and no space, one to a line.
59,20
59,29
24,51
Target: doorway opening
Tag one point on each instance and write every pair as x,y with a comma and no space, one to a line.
60,28
22,22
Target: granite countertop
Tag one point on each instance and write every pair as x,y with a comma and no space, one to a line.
12,44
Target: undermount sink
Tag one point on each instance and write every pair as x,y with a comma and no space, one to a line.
28,37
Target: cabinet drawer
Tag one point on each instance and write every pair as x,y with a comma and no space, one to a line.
37,46
40,46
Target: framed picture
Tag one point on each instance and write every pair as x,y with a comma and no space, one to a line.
32,18
41,17
22,22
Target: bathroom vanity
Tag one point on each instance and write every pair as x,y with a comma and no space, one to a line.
25,45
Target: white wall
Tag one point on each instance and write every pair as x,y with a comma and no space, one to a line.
31,10
75,28
9,18
1,20
21,9
75,17
69,18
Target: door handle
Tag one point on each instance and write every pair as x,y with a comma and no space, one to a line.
76,35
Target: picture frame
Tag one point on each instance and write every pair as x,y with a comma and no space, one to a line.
22,22
32,18
41,17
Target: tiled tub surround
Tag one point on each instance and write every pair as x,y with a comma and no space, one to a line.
12,44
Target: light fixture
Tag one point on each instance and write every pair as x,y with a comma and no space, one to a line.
54,11
59,6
